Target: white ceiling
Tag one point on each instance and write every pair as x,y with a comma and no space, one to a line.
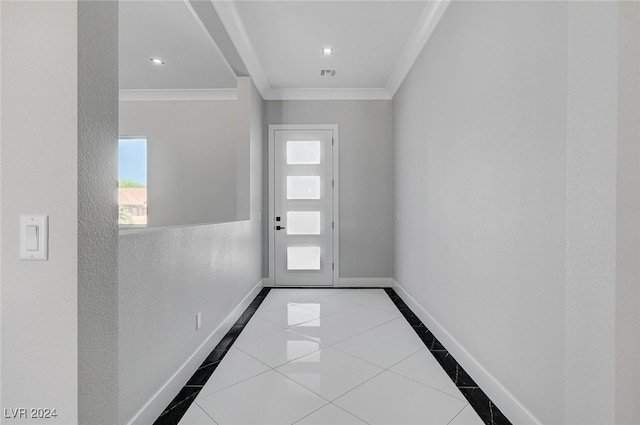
367,38
170,31
278,42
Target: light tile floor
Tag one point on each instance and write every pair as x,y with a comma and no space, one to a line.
329,357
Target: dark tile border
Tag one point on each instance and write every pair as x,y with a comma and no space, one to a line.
483,406
181,403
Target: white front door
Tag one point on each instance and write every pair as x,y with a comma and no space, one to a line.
303,201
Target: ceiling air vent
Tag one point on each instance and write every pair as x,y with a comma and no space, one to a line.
328,72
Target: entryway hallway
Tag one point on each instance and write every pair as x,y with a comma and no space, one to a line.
330,356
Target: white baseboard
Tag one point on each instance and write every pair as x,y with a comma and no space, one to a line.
359,282
508,404
161,399
349,282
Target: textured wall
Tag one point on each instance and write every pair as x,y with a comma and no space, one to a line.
39,135
0,207
628,217
590,285
479,166
97,212
366,180
166,276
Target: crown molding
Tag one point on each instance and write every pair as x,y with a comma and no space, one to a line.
178,94
430,17
327,94
230,17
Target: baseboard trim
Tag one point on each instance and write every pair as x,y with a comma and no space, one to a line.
348,282
359,282
508,404
155,406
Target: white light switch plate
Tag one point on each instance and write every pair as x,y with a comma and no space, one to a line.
41,224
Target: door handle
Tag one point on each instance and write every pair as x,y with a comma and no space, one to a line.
279,227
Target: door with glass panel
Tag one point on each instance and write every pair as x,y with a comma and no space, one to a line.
303,207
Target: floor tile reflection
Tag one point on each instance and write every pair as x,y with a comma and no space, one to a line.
329,372
329,356
269,398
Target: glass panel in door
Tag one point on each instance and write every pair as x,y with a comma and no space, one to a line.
303,196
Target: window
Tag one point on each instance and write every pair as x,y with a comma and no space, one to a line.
132,181
303,152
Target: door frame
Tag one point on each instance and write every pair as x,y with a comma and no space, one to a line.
336,194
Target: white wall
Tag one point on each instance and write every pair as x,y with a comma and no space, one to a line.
39,136
591,213
366,197
191,157
246,122
479,133
628,217
0,208
603,214
517,168
166,276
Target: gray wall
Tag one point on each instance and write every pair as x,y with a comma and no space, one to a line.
603,214
166,276
366,199
191,151
39,175
628,216
590,283
479,133
97,212
60,316
516,167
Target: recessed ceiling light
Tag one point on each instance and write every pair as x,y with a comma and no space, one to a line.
157,61
327,51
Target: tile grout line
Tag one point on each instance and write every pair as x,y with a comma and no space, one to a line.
476,397
328,402
185,402
345,410
353,389
388,369
275,369
204,411
310,413
383,369
179,405
236,383
458,414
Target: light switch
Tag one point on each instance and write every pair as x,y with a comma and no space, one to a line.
34,237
